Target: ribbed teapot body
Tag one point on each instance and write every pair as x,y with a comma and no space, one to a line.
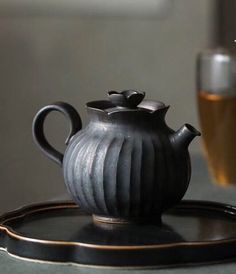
126,170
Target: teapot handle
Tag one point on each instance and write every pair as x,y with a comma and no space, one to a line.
38,128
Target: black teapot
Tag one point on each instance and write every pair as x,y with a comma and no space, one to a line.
126,165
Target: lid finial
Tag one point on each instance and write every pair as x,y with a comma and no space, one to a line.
126,98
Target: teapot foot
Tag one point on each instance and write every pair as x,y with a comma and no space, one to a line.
123,221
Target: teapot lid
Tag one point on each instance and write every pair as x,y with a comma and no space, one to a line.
126,100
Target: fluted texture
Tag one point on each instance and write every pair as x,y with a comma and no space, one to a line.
127,174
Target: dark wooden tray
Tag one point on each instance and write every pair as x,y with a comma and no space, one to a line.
193,232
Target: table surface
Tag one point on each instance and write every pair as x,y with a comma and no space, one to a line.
201,188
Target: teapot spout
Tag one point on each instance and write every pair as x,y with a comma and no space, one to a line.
184,136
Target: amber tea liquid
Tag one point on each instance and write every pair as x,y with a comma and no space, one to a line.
217,115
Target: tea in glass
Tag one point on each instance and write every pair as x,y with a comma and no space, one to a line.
216,98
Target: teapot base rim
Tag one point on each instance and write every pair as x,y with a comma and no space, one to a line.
154,219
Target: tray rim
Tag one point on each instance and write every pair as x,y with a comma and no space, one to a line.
123,267
120,255
226,209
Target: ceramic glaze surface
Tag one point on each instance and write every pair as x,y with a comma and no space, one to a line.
126,164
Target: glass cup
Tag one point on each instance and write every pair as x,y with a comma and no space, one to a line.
216,96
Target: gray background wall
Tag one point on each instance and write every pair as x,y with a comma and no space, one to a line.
46,57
